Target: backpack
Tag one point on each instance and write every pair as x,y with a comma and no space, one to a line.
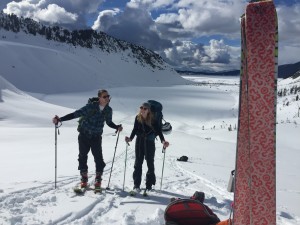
156,108
82,118
190,211
183,158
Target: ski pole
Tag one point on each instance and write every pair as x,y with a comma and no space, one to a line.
127,144
55,156
162,172
107,188
56,132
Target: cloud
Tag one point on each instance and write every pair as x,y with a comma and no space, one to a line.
171,32
169,27
70,13
106,19
187,54
289,33
134,25
204,18
55,14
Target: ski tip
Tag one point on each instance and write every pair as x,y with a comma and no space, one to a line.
132,193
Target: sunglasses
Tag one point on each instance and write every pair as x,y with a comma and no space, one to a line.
106,96
144,108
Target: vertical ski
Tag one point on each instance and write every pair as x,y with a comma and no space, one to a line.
242,192
255,186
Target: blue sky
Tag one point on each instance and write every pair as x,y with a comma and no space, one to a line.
188,34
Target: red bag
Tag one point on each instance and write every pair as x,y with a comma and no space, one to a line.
189,212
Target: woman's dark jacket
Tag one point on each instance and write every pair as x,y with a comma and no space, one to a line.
144,130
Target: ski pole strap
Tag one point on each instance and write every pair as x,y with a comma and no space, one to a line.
163,150
57,125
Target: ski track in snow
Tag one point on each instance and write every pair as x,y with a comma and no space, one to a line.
40,204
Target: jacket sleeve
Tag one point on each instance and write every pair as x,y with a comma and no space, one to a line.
108,118
161,136
135,128
67,117
158,132
80,112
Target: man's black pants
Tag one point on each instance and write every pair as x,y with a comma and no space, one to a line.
95,145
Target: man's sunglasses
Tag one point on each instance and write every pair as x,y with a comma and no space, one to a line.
106,96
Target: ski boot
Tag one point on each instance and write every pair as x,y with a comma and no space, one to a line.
84,179
82,187
147,190
98,179
134,191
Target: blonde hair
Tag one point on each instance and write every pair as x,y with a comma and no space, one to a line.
147,120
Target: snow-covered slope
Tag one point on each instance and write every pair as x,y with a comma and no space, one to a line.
200,115
35,64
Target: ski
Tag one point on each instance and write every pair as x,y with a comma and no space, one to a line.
134,192
255,174
80,190
145,193
97,190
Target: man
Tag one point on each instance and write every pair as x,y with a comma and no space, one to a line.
91,123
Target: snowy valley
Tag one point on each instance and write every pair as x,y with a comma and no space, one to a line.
50,80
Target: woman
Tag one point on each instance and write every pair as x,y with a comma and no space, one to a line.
146,131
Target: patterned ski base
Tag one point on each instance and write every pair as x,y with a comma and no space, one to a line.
255,177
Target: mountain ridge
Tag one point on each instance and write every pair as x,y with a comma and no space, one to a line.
87,38
284,71
27,56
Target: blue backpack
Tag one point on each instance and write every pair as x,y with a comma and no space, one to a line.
159,122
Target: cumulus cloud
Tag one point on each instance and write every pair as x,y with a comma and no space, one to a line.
134,25
67,12
169,27
166,33
204,18
106,19
55,14
189,55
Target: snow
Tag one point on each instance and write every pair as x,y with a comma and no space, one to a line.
200,115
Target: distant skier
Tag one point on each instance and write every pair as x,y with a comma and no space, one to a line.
90,129
146,131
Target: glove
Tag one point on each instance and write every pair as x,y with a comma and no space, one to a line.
127,139
120,128
165,144
56,120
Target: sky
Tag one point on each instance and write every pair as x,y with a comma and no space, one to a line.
188,34
200,114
